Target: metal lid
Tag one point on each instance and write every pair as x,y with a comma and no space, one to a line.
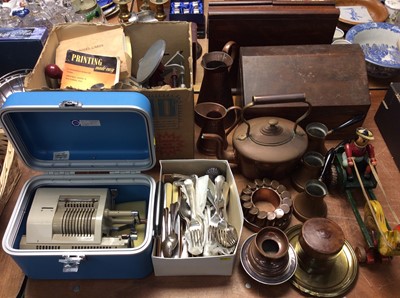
151,60
321,237
275,132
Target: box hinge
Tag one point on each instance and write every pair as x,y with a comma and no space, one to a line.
124,172
92,172
61,173
71,263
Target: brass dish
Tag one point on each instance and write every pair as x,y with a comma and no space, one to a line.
334,283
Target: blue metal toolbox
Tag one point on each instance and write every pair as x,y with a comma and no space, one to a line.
89,214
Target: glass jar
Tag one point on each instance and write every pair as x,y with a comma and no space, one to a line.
89,11
393,7
7,20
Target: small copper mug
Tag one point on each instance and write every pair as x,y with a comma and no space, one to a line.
212,118
310,167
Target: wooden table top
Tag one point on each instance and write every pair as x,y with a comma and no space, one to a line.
377,280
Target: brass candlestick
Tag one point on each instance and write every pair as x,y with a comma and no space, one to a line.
160,13
125,14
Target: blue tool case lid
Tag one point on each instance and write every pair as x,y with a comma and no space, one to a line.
81,130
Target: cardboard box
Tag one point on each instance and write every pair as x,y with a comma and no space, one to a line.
172,107
107,43
332,77
202,265
385,118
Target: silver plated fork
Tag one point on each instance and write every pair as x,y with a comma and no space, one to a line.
226,233
195,226
214,218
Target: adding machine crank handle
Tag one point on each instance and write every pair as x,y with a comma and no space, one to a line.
127,220
124,217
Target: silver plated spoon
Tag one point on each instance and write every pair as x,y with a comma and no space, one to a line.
184,208
171,240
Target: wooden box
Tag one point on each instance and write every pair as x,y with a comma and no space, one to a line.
385,119
333,78
269,22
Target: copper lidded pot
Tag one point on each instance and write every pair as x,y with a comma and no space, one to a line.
267,146
320,242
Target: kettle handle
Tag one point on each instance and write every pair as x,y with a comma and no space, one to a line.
280,98
273,99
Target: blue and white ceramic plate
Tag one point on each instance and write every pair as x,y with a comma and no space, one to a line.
356,14
378,41
104,3
361,11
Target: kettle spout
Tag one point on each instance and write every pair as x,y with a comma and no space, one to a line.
221,153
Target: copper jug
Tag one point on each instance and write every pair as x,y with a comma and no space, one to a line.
215,86
310,203
310,166
213,117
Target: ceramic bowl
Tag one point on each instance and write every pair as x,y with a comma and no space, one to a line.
379,42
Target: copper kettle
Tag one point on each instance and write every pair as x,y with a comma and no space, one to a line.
267,146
